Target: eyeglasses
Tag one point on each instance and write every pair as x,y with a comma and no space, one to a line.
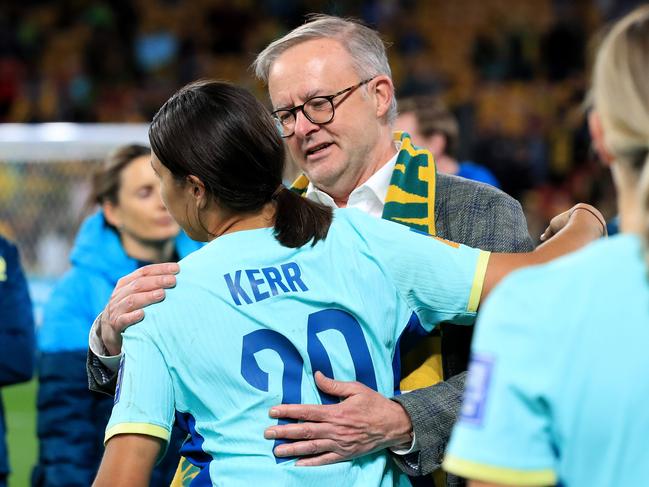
318,110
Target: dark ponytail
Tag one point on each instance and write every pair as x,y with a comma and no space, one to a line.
299,220
226,138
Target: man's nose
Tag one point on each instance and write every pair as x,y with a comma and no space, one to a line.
304,126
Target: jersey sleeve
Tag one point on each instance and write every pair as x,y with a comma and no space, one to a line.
504,433
144,398
439,279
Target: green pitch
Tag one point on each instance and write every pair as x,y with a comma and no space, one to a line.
20,417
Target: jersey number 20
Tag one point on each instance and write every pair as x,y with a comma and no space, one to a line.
328,319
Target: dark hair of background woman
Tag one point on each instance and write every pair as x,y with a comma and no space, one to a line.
106,180
226,138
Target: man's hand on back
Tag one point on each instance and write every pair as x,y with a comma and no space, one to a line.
132,293
364,422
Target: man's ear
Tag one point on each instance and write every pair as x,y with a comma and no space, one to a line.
112,214
383,91
197,191
597,134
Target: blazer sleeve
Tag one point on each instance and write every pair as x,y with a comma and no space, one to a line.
100,377
16,319
433,411
480,216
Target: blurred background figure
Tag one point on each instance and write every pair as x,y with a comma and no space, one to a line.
546,406
16,334
432,126
132,228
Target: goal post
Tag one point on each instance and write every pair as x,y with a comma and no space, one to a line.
45,175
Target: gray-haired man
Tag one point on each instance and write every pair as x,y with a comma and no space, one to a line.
331,90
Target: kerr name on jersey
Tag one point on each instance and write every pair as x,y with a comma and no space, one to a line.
264,283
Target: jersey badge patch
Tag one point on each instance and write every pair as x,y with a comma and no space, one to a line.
477,389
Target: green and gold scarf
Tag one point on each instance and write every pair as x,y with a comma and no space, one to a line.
411,194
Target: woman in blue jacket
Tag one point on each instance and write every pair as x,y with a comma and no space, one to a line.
131,229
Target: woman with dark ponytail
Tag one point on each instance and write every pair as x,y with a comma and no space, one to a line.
559,384
283,289
250,160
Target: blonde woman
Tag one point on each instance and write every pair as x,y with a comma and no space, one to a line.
557,388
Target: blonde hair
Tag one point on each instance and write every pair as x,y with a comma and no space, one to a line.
621,98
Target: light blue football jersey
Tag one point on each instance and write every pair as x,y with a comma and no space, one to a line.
250,321
557,389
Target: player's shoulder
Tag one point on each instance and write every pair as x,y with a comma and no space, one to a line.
196,268
348,216
353,220
355,231
226,250
347,225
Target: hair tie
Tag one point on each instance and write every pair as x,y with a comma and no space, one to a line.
277,191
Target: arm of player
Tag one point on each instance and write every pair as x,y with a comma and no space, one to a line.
567,232
128,461
132,293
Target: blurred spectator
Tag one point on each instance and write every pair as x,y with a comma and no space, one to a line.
132,229
564,45
433,127
16,334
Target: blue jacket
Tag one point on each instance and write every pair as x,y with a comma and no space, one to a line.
71,419
98,262
16,333
476,172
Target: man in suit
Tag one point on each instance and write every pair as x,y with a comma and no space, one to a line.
353,159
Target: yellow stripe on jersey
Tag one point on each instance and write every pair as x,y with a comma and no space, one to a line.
505,476
138,428
455,245
478,281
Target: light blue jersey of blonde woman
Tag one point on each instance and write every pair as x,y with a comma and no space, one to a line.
249,323
557,390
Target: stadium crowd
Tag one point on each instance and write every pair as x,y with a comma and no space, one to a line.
501,66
